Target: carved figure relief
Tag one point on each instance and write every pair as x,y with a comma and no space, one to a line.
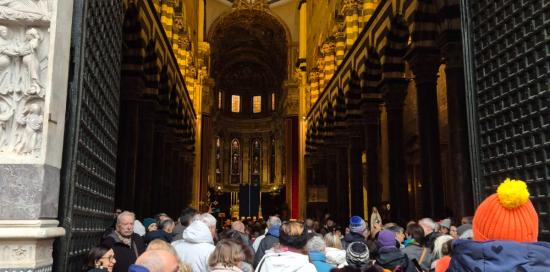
235,162
23,67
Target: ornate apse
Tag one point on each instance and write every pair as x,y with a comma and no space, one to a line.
249,67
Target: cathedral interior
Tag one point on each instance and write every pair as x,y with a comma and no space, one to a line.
248,108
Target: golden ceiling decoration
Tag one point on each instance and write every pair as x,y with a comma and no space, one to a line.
251,4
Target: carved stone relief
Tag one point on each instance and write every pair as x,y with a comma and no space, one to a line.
23,65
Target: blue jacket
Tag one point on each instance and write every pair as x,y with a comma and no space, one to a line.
499,256
319,260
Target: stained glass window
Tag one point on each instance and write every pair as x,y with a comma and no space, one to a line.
235,103
273,101
256,161
218,160
256,104
220,95
235,162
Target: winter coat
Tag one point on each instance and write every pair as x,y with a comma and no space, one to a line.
158,234
414,251
125,255
178,232
352,237
196,246
270,239
430,240
391,258
319,260
286,261
499,256
98,270
258,240
221,268
335,256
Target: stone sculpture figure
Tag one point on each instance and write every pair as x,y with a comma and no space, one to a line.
5,116
30,81
6,68
29,138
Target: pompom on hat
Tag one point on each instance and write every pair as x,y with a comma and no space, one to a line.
507,215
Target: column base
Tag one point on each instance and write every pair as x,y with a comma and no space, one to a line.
27,245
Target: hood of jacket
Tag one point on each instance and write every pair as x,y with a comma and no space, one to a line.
283,261
197,232
274,231
392,257
499,255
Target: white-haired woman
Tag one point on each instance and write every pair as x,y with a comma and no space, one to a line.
441,250
335,253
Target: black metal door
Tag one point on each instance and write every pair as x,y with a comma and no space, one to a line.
507,64
89,155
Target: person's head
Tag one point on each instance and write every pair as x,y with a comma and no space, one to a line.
329,223
399,233
357,254
227,254
293,234
117,212
238,226
210,221
445,226
357,224
125,223
332,240
101,257
187,216
309,223
150,224
416,232
428,225
32,33
158,261
159,244
438,246
507,215
316,244
453,232
273,221
238,238
386,239
466,220
167,225
161,217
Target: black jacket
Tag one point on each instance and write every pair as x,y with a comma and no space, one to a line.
158,234
391,258
124,254
430,240
267,243
352,237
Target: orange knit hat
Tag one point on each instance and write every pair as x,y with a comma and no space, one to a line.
507,215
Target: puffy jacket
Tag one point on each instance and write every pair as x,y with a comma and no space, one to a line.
335,256
287,261
499,256
319,260
196,246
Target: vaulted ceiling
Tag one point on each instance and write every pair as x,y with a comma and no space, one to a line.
249,51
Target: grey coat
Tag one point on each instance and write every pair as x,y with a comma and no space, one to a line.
414,251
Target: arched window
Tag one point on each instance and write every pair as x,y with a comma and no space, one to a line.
235,161
218,150
257,104
256,161
220,99
236,103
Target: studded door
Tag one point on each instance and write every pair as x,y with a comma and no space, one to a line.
507,60
89,158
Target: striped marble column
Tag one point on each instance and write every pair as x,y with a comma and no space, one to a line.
167,17
328,51
368,9
320,65
314,85
351,13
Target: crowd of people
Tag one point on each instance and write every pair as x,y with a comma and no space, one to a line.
501,236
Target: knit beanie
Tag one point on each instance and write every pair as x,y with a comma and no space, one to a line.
357,254
507,215
386,238
148,221
357,224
